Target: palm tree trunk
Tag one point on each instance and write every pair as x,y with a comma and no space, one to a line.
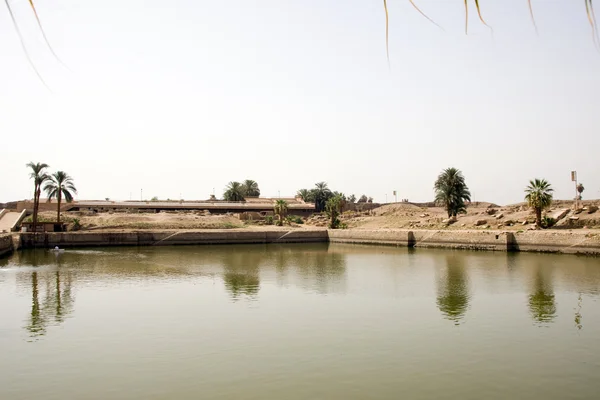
58,212
538,217
35,208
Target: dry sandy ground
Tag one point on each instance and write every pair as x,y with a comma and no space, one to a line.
478,216
391,216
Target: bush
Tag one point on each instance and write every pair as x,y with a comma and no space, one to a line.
296,219
76,224
269,220
548,222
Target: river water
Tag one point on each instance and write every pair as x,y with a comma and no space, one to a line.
312,321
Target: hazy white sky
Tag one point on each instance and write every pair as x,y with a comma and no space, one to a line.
183,96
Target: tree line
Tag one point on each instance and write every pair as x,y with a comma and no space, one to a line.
56,185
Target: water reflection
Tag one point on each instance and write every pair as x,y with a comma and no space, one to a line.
578,316
541,302
319,268
241,273
453,289
57,303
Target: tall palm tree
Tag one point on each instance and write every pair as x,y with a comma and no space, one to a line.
234,192
39,176
60,184
306,195
322,193
251,188
539,196
280,209
452,191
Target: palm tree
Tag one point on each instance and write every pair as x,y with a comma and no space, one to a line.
452,191
280,208
251,188
60,184
580,190
333,209
39,176
234,192
538,196
306,195
321,193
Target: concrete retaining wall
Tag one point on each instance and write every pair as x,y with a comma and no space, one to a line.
6,244
572,242
87,239
579,242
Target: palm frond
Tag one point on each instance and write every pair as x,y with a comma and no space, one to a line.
425,15
466,17
16,26
387,32
44,34
532,17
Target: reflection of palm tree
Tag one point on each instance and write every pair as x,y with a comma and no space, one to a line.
453,291
58,303
541,301
37,323
239,284
241,272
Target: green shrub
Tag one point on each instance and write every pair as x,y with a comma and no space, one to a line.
296,219
76,224
268,220
548,222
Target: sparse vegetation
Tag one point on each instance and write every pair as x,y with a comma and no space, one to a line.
580,190
234,192
539,197
451,191
280,209
333,210
250,188
269,220
39,176
548,222
60,184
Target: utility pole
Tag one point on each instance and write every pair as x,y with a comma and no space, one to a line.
141,194
386,198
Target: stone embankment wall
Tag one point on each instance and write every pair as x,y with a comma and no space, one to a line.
6,244
568,242
571,242
163,238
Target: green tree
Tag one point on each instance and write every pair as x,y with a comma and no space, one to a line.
580,190
234,192
539,197
363,199
451,191
306,195
333,209
251,188
39,176
280,209
60,184
322,193
352,199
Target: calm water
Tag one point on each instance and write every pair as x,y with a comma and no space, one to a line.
298,322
